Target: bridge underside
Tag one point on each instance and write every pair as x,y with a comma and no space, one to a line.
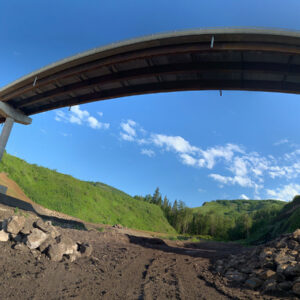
219,59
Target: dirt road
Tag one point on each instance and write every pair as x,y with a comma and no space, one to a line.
124,265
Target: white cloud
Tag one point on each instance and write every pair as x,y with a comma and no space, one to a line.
128,127
126,137
286,193
95,124
219,152
239,180
100,113
75,120
246,169
188,160
220,178
175,143
281,142
78,116
148,152
243,196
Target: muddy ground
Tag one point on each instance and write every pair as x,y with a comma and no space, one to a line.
122,266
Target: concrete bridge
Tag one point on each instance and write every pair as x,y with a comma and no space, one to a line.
249,59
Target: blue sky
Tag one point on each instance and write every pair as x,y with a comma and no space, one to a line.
196,146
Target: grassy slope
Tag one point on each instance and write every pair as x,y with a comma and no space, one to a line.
233,208
287,220
92,202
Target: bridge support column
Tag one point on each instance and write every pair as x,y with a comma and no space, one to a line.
9,122
11,116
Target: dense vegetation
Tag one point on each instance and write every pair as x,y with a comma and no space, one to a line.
90,201
252,220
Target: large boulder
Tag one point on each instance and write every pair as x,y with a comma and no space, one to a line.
47,227
64,246
36,238
28,226
4,236
15,224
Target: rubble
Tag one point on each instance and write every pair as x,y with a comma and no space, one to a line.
39,237
273,268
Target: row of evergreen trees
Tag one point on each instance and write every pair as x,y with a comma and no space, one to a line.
219,226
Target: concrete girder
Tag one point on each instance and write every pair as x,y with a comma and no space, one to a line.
7,111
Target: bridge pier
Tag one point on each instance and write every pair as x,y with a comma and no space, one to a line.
11,115
9,122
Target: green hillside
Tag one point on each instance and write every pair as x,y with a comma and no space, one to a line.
286,220
90,201
233,208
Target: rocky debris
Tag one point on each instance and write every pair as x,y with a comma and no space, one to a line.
15,224
28,226
4,237
273,268
38,237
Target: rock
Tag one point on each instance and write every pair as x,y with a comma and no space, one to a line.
3,236
283,258
47,227
85,250
69,245
28,226
253,283
235,276
296,235
74,256
268,274
281,244
15,224
292,270
265,253
45,245
270,286
296,288
64,246
285,285
281,268
56,252
21,247
36,253
36,238
292,244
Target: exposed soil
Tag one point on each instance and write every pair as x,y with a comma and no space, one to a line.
124,265
13,189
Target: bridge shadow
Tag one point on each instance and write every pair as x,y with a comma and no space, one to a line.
17,203
210,250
